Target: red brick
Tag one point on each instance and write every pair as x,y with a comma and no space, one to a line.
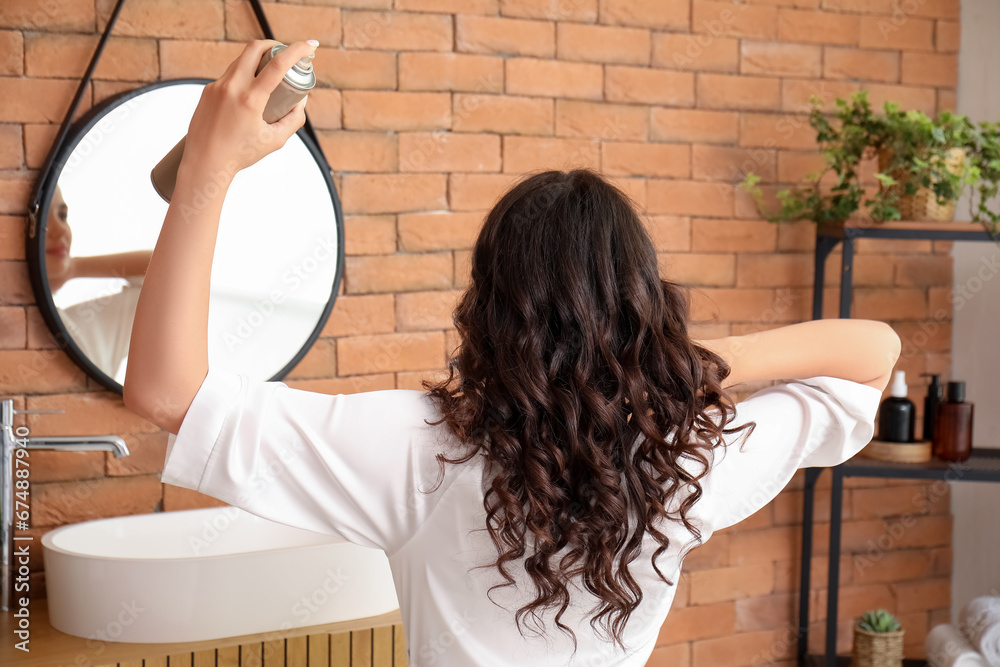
174,19
860,64
504,114
360,151
15,188
942,9
391,193
736,650
695,52
860,6
797,166
601,44
325,108
721,163
319,361
349,385
780,59
369,235
783,269
413,379
656,14
891,566
742,304
33,371
445,151
947,36
367,314
607,121
694,126
817,27
64,16
290,23
13,328
11,53
60,503
733,236
478,192
678,655
731,583
922,595
648,86
721,91
697,269
548,78
929,69
646,159
884,32
11,150
338,68
908,97
796,93
450,71
450,6
397,31
776,131
559,10
734,20
763,546
482,34
426,310
678,197
702,622
24,100
669,233
397,273
196,59
766,612
371,110
383,353
523,154
439,231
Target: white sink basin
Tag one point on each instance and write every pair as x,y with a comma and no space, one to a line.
206,574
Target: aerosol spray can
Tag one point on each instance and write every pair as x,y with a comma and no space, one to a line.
297,83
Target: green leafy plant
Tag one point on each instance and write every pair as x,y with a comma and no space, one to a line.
878,621
916,152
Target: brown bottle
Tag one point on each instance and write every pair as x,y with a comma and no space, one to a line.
953,429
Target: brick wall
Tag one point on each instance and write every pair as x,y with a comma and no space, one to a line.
428,109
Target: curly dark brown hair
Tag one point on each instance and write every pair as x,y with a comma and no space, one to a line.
572,347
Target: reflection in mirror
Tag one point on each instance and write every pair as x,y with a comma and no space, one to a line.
278,257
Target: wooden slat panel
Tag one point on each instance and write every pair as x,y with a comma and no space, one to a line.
228,656
399,647
204,658
361,648
319,650
155,661
340,649
382,646
251,655
179,659
296,652
274,653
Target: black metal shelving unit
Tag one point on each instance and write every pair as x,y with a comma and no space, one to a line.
983,466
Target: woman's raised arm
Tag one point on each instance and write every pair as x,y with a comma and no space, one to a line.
864,351
168,351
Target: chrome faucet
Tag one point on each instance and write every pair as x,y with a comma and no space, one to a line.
11,441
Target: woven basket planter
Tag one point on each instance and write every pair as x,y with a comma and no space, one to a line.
877,649
922,206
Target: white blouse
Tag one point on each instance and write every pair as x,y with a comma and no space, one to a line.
353,466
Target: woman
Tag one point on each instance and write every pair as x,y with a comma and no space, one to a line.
581,436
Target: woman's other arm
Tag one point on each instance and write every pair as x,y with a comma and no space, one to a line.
863,351
168,352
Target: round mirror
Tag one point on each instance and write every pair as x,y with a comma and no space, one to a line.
278,260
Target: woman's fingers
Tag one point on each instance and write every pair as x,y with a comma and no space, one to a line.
245,66
275,70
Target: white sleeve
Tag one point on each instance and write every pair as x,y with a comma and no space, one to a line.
345,464
816,422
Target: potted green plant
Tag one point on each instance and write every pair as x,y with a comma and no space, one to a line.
924,165
878,640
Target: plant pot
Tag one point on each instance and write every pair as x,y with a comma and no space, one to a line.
877,649
923,205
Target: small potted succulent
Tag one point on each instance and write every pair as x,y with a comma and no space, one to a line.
878,640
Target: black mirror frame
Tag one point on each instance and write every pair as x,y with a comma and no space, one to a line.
35,238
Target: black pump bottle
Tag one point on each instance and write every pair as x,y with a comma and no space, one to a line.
897,414
931,403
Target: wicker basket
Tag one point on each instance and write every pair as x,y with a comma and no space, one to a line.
877,649
922,206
